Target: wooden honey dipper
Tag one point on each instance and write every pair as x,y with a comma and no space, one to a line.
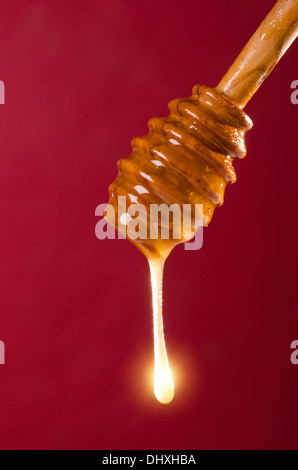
186,159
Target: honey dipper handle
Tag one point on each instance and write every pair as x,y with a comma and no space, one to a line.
262,52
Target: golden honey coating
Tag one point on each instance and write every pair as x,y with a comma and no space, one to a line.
186,158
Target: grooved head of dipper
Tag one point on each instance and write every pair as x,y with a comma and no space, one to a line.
184,162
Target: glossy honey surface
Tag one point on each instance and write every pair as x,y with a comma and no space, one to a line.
186,158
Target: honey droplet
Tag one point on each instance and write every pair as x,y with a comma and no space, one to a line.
163,382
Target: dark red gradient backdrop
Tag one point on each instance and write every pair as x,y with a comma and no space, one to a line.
82,79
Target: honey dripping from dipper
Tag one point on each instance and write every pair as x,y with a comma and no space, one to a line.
186,160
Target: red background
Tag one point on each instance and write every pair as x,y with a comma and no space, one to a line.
82,78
